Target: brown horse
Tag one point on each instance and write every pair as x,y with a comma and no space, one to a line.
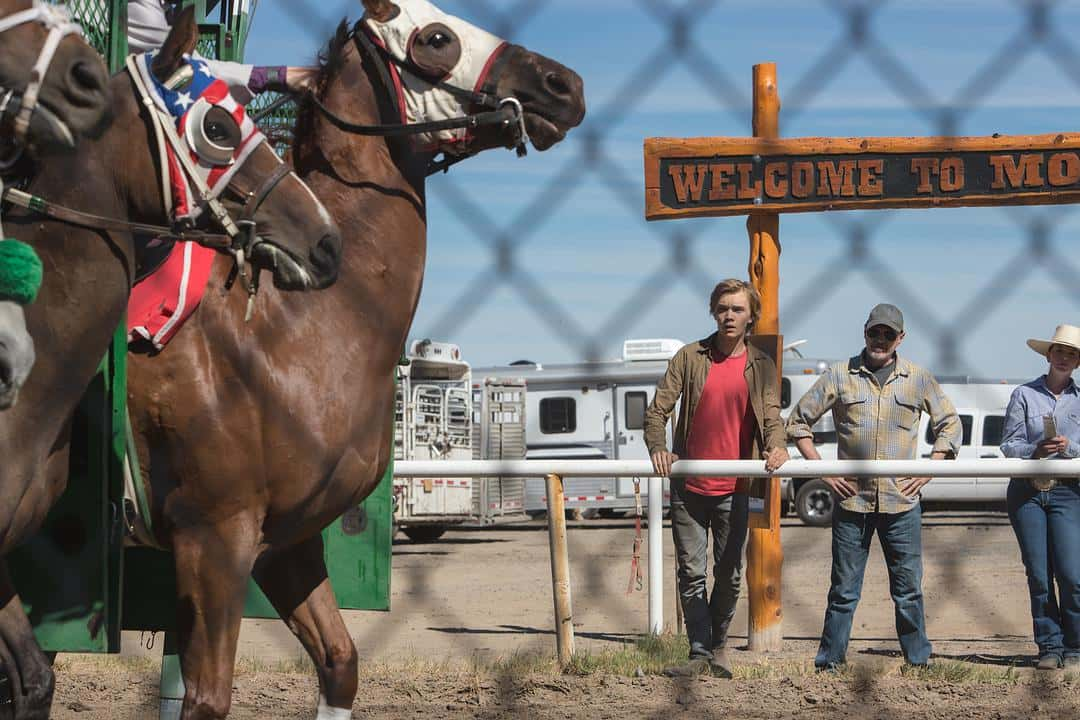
74,96
88,275
253,437
74,101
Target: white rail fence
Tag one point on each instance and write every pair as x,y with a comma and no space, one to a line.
555,470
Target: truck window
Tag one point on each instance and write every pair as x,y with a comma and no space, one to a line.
634,410
965,423
558,415
785,392
993,429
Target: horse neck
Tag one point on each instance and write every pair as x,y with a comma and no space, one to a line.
87,273
374,189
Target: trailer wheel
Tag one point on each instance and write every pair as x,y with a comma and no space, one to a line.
814,503
423,533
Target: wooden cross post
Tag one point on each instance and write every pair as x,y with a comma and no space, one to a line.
764,553
766,175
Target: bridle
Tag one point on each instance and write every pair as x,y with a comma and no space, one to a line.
57,20
240,236
506,112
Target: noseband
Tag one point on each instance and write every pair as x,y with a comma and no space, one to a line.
506,112
59,24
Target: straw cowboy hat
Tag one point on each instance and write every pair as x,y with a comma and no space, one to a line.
1067,335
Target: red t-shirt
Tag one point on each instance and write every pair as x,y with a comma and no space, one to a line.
723,425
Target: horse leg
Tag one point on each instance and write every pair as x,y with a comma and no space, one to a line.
213,564
296,582
26,676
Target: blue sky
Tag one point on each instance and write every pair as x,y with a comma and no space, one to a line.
591,251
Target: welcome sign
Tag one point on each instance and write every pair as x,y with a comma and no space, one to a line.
699,177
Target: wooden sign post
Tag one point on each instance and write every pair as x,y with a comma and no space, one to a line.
764,175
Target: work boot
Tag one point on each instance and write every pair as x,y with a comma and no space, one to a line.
692,668
1049,662
719,664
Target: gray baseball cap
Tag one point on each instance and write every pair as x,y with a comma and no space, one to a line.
887,315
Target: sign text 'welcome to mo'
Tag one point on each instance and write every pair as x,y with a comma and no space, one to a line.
734,176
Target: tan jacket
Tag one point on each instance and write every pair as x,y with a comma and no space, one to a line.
685,377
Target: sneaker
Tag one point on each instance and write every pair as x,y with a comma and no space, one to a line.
719,664
1072,662
831,668
1049,662
692,668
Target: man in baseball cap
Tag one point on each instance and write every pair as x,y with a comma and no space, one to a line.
876,398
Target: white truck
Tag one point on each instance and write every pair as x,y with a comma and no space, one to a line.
441,414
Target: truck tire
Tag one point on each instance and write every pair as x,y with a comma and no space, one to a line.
814,503
423,533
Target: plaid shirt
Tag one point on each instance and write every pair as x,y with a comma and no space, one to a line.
878,423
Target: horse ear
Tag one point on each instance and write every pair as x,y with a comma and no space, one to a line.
381,10
182,40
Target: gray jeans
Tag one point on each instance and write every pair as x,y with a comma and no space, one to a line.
692,515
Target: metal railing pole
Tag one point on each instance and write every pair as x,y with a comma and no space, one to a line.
656,555
560,570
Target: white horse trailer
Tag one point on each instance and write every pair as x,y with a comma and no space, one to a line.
432,421
596,410
441,414
499,434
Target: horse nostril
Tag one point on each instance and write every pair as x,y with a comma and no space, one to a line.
87,76
557,84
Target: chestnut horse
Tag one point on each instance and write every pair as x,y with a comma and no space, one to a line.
87,278
49,69
254,437
41,55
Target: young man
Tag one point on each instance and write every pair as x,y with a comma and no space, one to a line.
877,399
729,411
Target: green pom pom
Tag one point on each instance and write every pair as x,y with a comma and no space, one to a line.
20,272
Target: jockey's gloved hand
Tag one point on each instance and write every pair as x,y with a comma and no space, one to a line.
20,272
281,78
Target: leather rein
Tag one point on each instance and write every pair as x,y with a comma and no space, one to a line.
506,112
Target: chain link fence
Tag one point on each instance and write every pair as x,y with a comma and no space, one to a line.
550,258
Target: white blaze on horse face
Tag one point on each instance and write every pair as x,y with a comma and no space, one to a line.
16,352
423,101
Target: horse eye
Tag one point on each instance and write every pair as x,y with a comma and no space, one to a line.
217,132
439,40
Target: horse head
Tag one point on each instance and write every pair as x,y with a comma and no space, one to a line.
445,67
221,165
54,85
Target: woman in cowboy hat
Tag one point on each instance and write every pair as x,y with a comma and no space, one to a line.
1043,421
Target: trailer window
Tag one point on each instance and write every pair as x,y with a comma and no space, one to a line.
785,393
558,415
634,410
993,429
965,423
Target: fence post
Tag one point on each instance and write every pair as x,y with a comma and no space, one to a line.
656,555
560,570
764,554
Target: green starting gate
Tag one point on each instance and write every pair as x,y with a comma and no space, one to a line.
81,587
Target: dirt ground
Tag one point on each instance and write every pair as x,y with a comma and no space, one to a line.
469,636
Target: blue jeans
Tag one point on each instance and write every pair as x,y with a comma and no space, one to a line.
1047,526
708,617
901,541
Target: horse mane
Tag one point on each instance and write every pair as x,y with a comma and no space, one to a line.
331,60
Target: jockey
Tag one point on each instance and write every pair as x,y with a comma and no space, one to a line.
20,272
